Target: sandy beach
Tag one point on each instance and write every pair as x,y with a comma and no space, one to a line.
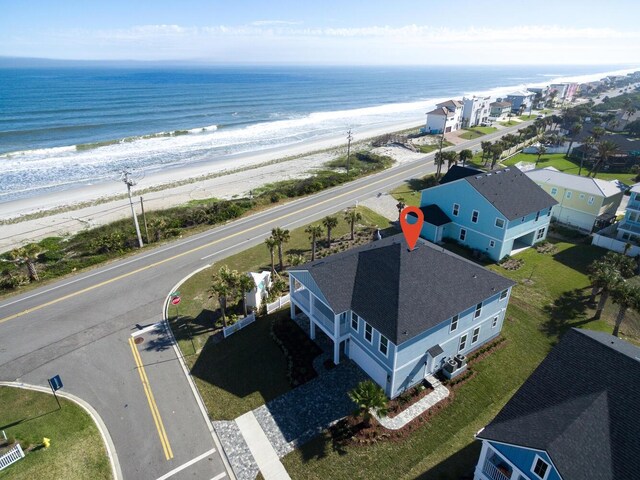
66,212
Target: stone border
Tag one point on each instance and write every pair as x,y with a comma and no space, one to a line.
102,428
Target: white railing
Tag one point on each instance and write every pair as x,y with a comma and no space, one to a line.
279,303
491,471
11,456
240,324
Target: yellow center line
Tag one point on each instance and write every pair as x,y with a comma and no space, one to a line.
164,440
169,259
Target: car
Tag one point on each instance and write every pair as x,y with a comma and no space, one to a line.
540,116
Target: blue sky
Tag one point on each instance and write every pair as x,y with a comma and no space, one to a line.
326,31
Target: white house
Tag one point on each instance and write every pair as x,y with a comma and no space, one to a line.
256,295
475,110
446,117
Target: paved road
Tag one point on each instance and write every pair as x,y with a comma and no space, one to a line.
81,328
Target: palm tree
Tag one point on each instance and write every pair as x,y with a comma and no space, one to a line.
575,129
486,150
224,286
352,216
451,158
314,232
295,259
606,148
541,151
245,285
496,150
465,155
597,133
158,225
271,244
281,236
625,296
589,142
329,223
27,255
400,206
607,280
368,396
438,160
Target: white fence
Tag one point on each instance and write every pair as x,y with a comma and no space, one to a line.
240,324
604,238
279,303
11,456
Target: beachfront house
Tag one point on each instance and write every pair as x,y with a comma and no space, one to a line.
576,417
446,117
499,110
623,236
400,314
520,100
584,203
493,212
475,110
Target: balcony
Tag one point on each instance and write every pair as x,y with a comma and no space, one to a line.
301,297
496,472
629,227
633,205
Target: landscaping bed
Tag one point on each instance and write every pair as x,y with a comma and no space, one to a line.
299,349
406,399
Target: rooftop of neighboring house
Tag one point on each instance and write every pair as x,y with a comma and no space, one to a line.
625,144
450,104
456,172
580,406
635,188
401,292
434,215
500,104
593,186
442,111
520,93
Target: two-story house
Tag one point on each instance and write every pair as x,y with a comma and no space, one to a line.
493,212
499,110
475,110
446,117
629,226
399,314
583,202
521,100
575,418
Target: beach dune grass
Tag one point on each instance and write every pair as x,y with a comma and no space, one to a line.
76,451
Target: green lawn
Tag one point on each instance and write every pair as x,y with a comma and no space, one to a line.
557,160
550,297
76,451
432,148
476,132
510,123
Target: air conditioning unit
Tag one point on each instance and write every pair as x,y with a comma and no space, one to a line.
461,360
450,365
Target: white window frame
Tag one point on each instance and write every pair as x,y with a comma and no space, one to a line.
498,219
462,236
533,465
454,323
568,194
476,335
494,322
368,330
581,196
355,318
540,234
477,215
590,201
537,215
504,294
462,344
478,311
386,345
549,212
554,191
455,210
492,243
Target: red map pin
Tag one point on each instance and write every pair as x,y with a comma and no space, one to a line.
411,230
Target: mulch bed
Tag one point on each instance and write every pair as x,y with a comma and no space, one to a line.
408,398
299,349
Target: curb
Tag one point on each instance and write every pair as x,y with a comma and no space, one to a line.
185,370
102,428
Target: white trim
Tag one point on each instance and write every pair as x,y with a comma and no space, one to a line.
535,461
364,332
504,222
546,224
462,234
492,243
460,342
494,321
357,319
477,313
477,216
380,337
500,299
372,356
457,317
479,232
475,330
454,212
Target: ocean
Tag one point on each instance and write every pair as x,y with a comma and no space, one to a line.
63,127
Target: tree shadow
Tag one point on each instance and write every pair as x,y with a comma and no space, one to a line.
459,466
567,311
296,251
579,257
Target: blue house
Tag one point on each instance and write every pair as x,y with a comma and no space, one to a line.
399,314
493,212
576,417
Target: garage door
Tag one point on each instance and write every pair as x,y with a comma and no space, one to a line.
369,365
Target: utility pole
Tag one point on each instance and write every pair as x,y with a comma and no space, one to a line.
129,183
144,220
349,138
440,159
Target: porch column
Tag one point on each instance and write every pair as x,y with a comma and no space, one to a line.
292,308
312,329
481,460
336,352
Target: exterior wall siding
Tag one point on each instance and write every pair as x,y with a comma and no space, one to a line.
522,458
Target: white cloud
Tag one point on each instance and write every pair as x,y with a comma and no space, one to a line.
262,23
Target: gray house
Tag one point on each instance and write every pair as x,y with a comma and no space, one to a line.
399,314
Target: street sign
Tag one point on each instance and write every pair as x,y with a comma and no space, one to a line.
56,383
175,300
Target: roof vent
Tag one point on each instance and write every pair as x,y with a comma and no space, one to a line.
478,176
507,170
498,172
475,275
489,174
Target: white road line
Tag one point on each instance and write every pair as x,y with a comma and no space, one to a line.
185,465
232,246
155,326
219,476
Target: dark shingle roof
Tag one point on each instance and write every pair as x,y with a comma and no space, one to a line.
511,192
402,293
434,215
581,407
456,173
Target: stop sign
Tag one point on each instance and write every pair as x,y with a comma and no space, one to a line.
175,300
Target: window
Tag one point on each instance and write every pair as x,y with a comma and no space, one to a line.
568,195
537,215
554,191
540,234
582,196
474,216
478,310
494,323
503,294
463,342
354,321
368,332
540,468
590,201
492,243
463,234
456,209
522,219
384,345
549,213
633,217
454,324
499,223
626,236
476,334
